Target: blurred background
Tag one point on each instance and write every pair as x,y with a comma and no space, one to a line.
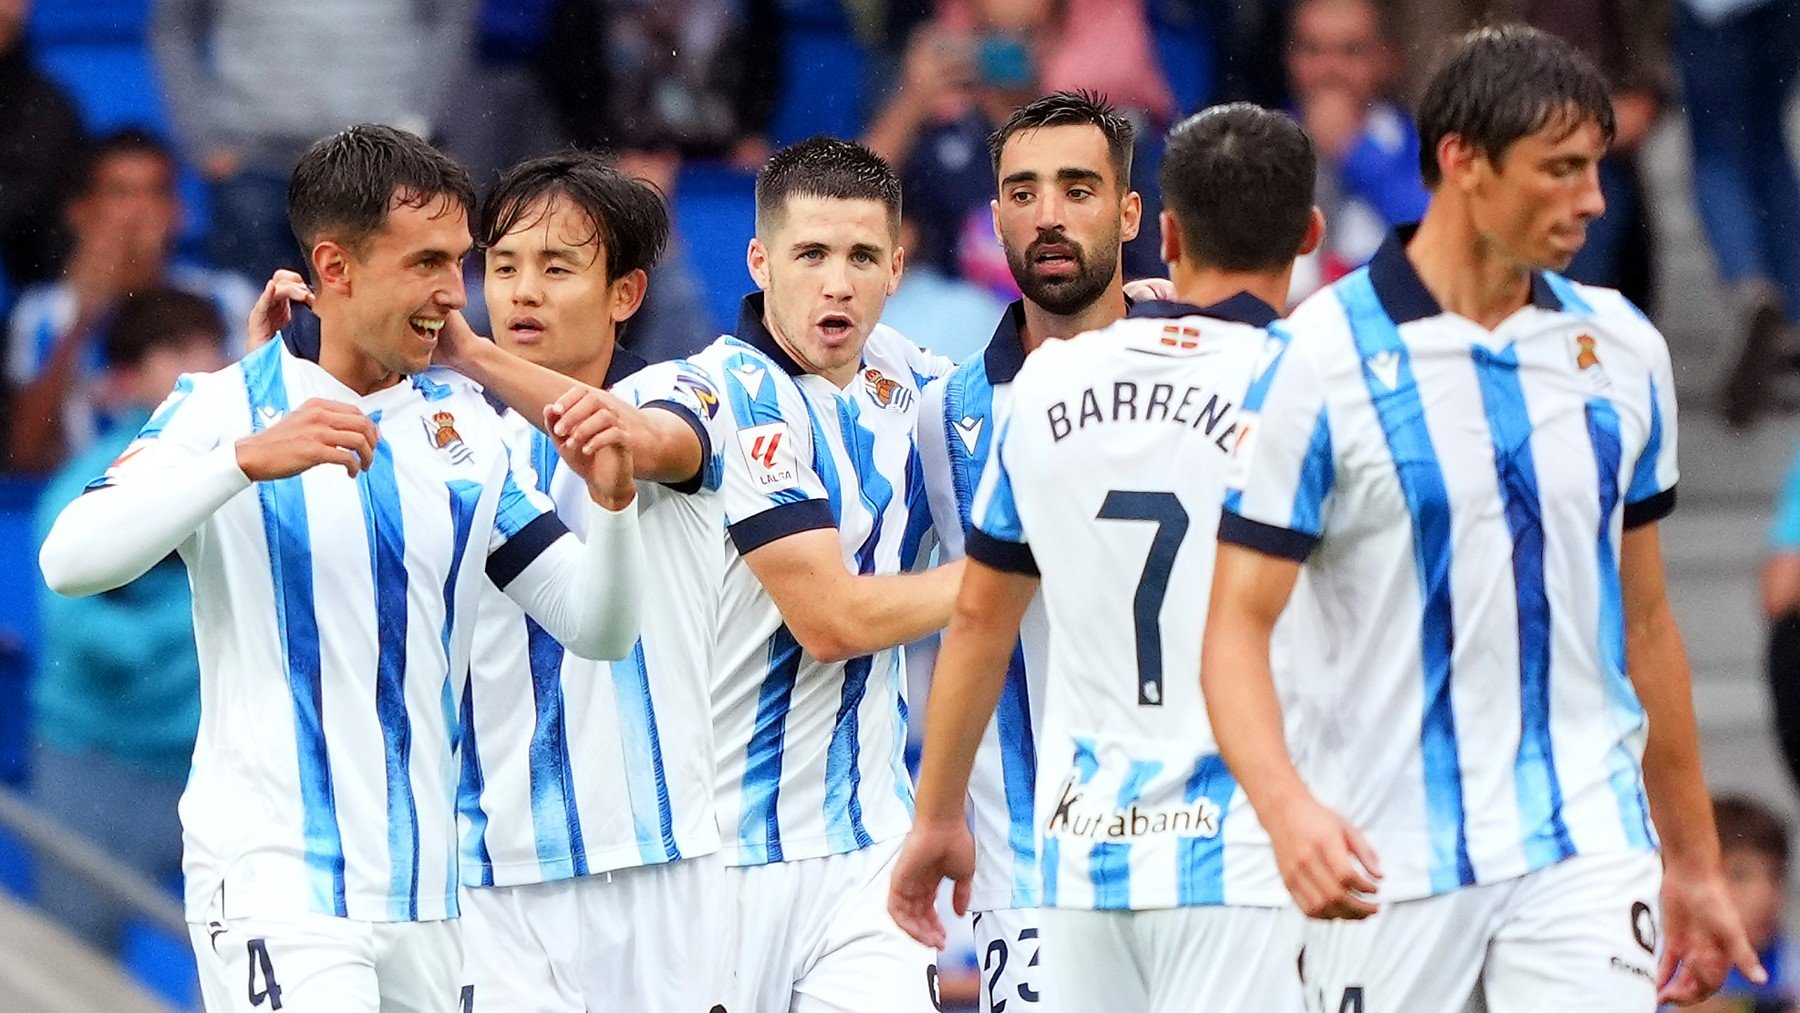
144,151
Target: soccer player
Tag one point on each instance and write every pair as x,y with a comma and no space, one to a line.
1467,456
335,605
1063,208
1160,890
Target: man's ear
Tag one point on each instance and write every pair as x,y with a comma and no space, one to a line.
627,295
1315,233
331,265
1131,216
757,259
893,284
1457,159
1170,248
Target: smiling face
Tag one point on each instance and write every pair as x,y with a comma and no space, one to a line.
548,293
827,266
402,283
1061,215
1533,201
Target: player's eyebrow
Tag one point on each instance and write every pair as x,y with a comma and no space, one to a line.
1022,176
1075,174
868,248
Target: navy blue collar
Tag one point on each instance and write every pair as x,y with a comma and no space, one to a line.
1404,296
301,335
1006,349
624,363
753,332
1242,308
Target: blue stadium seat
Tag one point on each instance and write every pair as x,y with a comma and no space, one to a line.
17,873
19,612
161,962
1184,46
822,85
715,214
89,22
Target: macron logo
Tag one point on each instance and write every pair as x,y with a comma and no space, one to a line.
1386,368
751,376
969,428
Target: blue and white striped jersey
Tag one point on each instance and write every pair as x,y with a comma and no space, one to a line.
1459,496
811,753
959,419
1112,464
333,618
572,767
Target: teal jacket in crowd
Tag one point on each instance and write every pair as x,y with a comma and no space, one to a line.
118,673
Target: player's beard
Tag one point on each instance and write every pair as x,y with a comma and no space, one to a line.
1065,296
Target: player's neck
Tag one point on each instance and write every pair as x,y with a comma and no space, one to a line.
1204,286
1041,325
1466,274
346,363
593,372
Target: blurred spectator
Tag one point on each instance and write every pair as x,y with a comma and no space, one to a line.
1340,65
38,127
690,80
673,322
253,82
939,312
1781,608
1753,841
504,114
124,215
1738,62
116,702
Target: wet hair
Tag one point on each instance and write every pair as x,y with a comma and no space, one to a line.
826,167
130,141
1066,109
1239,180
159,318
1507,82
631,222
345,184
1747,825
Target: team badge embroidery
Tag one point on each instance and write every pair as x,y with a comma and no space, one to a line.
1587,361
1178,336
887,393
441,430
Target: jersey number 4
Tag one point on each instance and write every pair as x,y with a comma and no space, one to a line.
1165,511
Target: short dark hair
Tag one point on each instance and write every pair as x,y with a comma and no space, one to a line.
1239,180
1505,82
823,166
631,222
1070,109
1747,825
129,141
345,184
156,318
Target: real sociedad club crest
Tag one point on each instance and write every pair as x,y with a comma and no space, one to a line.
440,428
887,393
1587,361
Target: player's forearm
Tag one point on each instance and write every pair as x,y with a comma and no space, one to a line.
1244,709
1673,782
109,537
888,611
588,594
664,448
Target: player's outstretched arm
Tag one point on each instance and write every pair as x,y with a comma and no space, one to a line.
1327,866
589,594
836,614
663,448
965,688
114,534
1703,936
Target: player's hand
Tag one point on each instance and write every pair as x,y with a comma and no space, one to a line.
933,852
455,341
275,307
1148,289
1702,938
318,432
595,446
1327,865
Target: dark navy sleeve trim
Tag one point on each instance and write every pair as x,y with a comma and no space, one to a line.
691,484
506,563
1649,511
772,525
1010,557
1266,538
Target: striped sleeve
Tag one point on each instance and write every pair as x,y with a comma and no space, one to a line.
1650,496
525,524
997,536
1282,467
183,426
684,390
771,478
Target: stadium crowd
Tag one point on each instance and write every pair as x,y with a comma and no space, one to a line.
146,145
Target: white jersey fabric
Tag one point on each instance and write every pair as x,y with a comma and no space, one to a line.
1459,496
958,423
1114,459
333,618
572,767
810,753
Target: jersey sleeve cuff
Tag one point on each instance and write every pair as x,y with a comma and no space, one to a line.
1010,557
772,525
506,563
1266,538
692,483
1651,510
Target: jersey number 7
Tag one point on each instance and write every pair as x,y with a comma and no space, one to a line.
1165,511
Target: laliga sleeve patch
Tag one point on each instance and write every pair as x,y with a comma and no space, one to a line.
769,456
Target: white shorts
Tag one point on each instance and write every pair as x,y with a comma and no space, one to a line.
1007,953
1578,935
1175,960
653,938
321,964
815,936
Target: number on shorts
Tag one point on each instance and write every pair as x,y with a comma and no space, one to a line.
931,989
1171,520
995,962
271,991
1352,1001
1026,992
465,1002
